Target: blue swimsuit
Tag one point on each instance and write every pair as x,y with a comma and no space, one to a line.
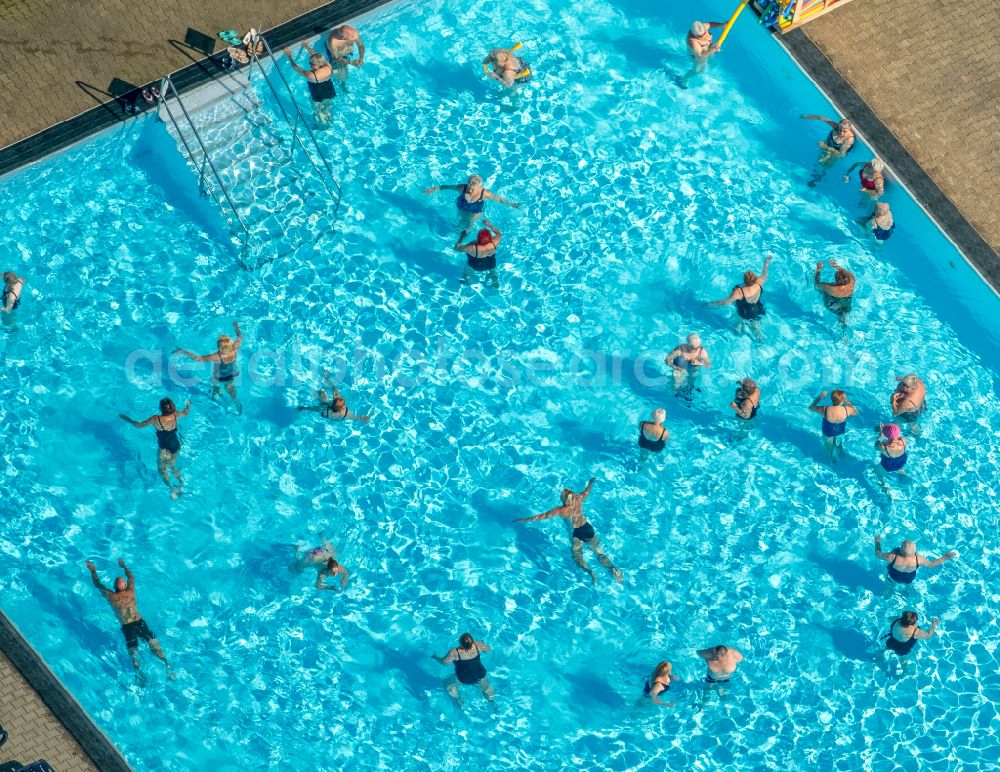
831,429
883,233
902,577
472,207
893,463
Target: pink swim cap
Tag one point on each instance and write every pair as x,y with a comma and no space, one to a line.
890,432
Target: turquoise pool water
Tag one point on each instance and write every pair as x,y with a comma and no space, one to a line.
639,203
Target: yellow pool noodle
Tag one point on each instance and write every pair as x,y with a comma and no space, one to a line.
730,23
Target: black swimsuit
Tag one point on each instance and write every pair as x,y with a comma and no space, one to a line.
584,532
753,409
321,91
649,687
470,671
902,577
7,292
226,371
750,310
654,445
166,439
484,263
328,413
901,648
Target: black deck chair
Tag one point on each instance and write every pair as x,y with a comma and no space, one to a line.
37,766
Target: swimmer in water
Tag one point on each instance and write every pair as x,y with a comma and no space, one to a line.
134,627
684,361
748,299
658,684
904,560
12,287
836,295
481,253
340,44
892,450
904,633
909,401
834,420
319,80
747,401
870,176
330,570
469,668
314,558
700,47
653,435
505,67
224,371
722,662
167,441
334,409
836,145
583,531
472,198
881,223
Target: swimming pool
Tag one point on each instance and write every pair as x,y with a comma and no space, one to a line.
639,203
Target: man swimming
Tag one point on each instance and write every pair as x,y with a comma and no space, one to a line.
838,293
583,531
134,627
340,45
722,662
685,359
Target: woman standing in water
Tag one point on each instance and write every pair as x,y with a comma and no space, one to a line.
834,420
224,370
748,300
472,198
481,254
167,441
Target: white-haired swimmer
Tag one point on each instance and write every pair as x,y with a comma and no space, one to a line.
909,400
870,176
685,359
747,401
700,47
340,45
881,223
837,144
904,560
653,435
472,198
583,532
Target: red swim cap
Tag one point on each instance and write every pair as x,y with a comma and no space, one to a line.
484,237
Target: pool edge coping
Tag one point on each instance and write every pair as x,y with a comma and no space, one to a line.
59,700
941,210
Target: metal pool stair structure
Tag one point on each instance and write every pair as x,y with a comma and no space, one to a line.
237,148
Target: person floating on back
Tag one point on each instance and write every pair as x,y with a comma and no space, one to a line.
904,560
469,668
134,627
318,79
167,441
748,298
224,370
834,420
837,294
722,662
583,532
837,144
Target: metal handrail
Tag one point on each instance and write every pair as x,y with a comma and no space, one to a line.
166,86
299,117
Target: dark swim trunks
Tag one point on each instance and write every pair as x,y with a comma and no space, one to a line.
133,631
585,532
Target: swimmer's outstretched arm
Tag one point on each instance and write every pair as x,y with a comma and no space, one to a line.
97,580
878,550
448,658
497,235
436,188
586,491
726,300
363,418
128,574
815,407
554,512
921,560
494,197
928,633
831,123
763,271
213,357
291,61
850,170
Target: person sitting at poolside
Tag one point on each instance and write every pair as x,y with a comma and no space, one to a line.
167,442
134,627
505,67
318,79
12,286
904,633
747,401
685,359
340,45
700,47
472,197
334,409
891,449
653,435
658,684
881,222
836,145
904,560
722,662
583,531
224,370
872,181
329,570
836,295
480,254
748,300
469,668
909,400
834,420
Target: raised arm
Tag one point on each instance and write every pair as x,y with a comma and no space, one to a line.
291,61
459,246
497,235
239,336
819,272
878,550
763,271
850,170
851,410
832,124
586,491
183,413
128,574
928,633
138,424
815,406
213,357
554,512
499,199
96,579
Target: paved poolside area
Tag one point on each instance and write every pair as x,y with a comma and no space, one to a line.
931,73
34,732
